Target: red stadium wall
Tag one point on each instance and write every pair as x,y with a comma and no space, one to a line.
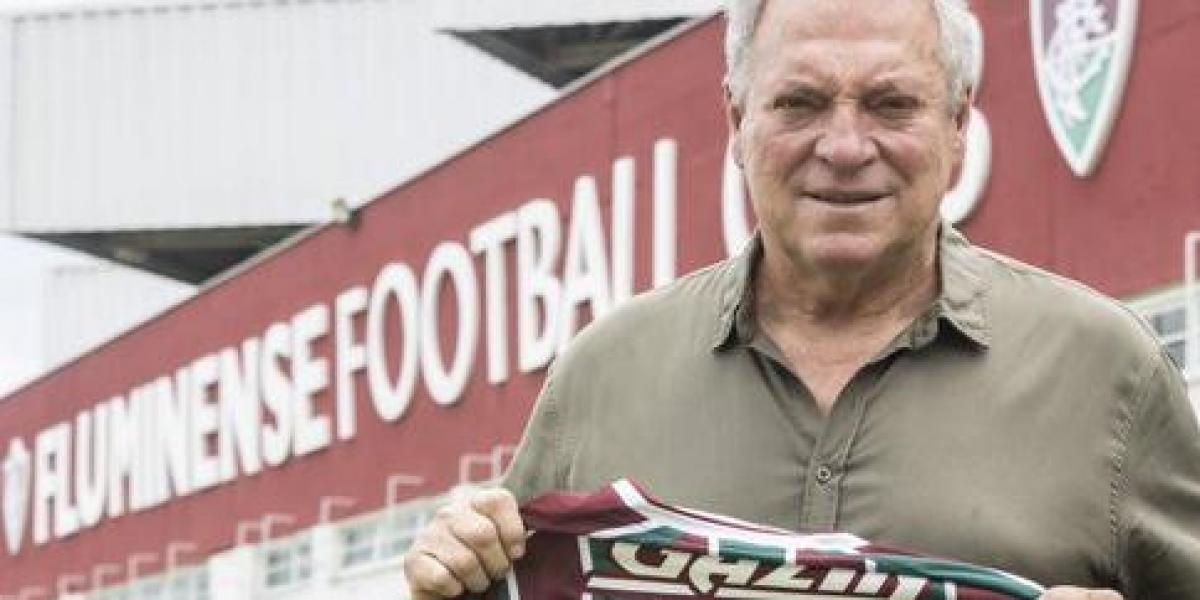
1120,231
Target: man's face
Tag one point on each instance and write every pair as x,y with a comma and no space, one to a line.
847,136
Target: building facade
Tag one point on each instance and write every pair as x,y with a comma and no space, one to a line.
286,431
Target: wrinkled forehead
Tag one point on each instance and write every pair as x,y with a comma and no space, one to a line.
850,20
849,39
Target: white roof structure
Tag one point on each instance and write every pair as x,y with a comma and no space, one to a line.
231,113
88,304
149,131
490,14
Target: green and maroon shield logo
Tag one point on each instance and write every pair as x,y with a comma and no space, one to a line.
1082,51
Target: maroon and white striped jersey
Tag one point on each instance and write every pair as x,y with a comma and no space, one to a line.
619,544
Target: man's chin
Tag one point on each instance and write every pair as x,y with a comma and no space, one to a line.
843,252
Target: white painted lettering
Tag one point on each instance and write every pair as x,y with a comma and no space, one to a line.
120,456
666,191
962,201
91,464
624,190
391,400
148,481
446,384
735,227
539,241
585,267
489,240
173,431
351,357
241,411
51,488
310,376
17,471
204,421
256,405
277,395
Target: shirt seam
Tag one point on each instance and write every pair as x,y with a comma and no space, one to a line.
1027,269
558,446
965,307
1128,417
733,294
865,401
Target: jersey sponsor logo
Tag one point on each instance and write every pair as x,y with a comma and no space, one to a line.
1082,51
621,566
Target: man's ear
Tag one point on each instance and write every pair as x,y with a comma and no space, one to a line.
963,118
734,117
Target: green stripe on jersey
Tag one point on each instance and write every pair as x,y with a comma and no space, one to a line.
736,549
959,573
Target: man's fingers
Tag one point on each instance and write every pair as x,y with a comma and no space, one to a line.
479,534
454,562
428,579
461,561
1074,593
467,546
501,507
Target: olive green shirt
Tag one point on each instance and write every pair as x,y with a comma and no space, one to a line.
1023,422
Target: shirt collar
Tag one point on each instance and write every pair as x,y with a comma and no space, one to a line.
961,301
963,298
737,294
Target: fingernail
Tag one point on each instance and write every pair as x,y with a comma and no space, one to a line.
518,551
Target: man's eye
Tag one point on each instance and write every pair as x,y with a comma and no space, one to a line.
894,106
797,103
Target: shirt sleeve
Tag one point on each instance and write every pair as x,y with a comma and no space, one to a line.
1156,512
540,463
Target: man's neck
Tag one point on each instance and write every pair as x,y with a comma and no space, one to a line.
829,327
792,296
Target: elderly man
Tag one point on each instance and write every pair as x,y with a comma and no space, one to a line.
862,367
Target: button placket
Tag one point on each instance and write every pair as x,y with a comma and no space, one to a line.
827,465
824,475
822,493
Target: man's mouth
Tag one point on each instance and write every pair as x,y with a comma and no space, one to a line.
846,198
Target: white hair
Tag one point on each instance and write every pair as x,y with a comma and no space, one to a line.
958,32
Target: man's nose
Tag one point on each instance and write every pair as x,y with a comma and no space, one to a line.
844,144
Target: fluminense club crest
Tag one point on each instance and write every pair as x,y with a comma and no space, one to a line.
1082,51
17,472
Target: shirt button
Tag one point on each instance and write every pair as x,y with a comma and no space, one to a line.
824,474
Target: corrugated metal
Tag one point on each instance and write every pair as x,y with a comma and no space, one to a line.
6,124
489,14
46,6
87,305
238,112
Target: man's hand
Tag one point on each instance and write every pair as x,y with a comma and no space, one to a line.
1074,593
469,544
